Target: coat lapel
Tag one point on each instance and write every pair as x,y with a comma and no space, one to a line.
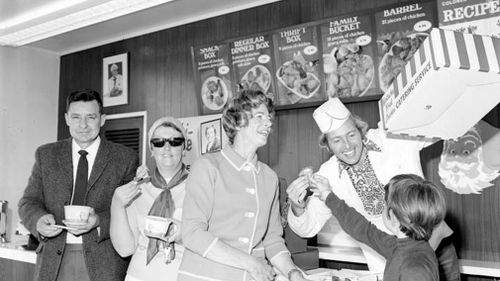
65,159
101,161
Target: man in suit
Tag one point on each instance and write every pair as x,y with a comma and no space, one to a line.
82,251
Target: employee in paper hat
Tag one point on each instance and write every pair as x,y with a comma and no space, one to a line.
331,115
363,161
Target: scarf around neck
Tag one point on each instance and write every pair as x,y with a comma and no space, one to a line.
365,182
164,206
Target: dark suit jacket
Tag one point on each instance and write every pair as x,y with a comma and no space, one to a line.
49,189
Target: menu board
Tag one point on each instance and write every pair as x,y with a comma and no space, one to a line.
253,63
471,16
213,74
400,32
297,65
349,56
349,53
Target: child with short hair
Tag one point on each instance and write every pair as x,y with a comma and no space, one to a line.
413,207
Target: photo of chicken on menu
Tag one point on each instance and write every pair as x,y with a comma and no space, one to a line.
400,32
297,65
252,63
298,77
348,56
398,48
213,75
257,78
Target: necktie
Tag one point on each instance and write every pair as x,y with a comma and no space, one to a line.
81,179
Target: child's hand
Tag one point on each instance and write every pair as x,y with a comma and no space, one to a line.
320,186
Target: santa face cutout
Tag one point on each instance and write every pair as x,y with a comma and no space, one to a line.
462,167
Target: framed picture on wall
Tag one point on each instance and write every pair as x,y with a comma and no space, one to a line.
211,136
115,80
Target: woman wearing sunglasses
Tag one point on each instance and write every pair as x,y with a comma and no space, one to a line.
231,224
158,194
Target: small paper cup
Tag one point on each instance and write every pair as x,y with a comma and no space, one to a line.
76,213
156,226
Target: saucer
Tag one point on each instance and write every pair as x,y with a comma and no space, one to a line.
62,226
74,223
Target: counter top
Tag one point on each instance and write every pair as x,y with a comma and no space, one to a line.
355,255
341,253
15,251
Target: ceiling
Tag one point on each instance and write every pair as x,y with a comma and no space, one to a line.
160,17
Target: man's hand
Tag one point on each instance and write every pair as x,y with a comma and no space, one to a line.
79,229
260,269
45,226
297,191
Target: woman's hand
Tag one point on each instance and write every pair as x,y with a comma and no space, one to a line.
141,173
320,186
260,269
298,278
296,275
127,193
173,233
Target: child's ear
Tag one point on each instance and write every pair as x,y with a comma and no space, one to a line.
393,220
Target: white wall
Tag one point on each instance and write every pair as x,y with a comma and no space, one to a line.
29,87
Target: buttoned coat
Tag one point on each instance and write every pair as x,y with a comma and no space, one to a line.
49,189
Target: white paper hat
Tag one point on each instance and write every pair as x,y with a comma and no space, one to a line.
331,115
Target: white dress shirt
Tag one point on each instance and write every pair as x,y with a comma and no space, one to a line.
92,153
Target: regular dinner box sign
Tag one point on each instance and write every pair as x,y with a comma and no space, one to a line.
451,82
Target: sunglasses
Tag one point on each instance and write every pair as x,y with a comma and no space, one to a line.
174,142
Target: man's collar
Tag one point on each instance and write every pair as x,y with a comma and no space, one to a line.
238,162
371,146
91,149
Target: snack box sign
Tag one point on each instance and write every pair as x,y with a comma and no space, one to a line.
451,82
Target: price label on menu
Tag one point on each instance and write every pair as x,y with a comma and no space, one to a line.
252,59
213,74
297,65
349,53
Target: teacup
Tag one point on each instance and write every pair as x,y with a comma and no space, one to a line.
76,214
156,226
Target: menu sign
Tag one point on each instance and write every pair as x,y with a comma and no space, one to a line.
253,64
470,16
400,32
212,70
349,53
297,65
